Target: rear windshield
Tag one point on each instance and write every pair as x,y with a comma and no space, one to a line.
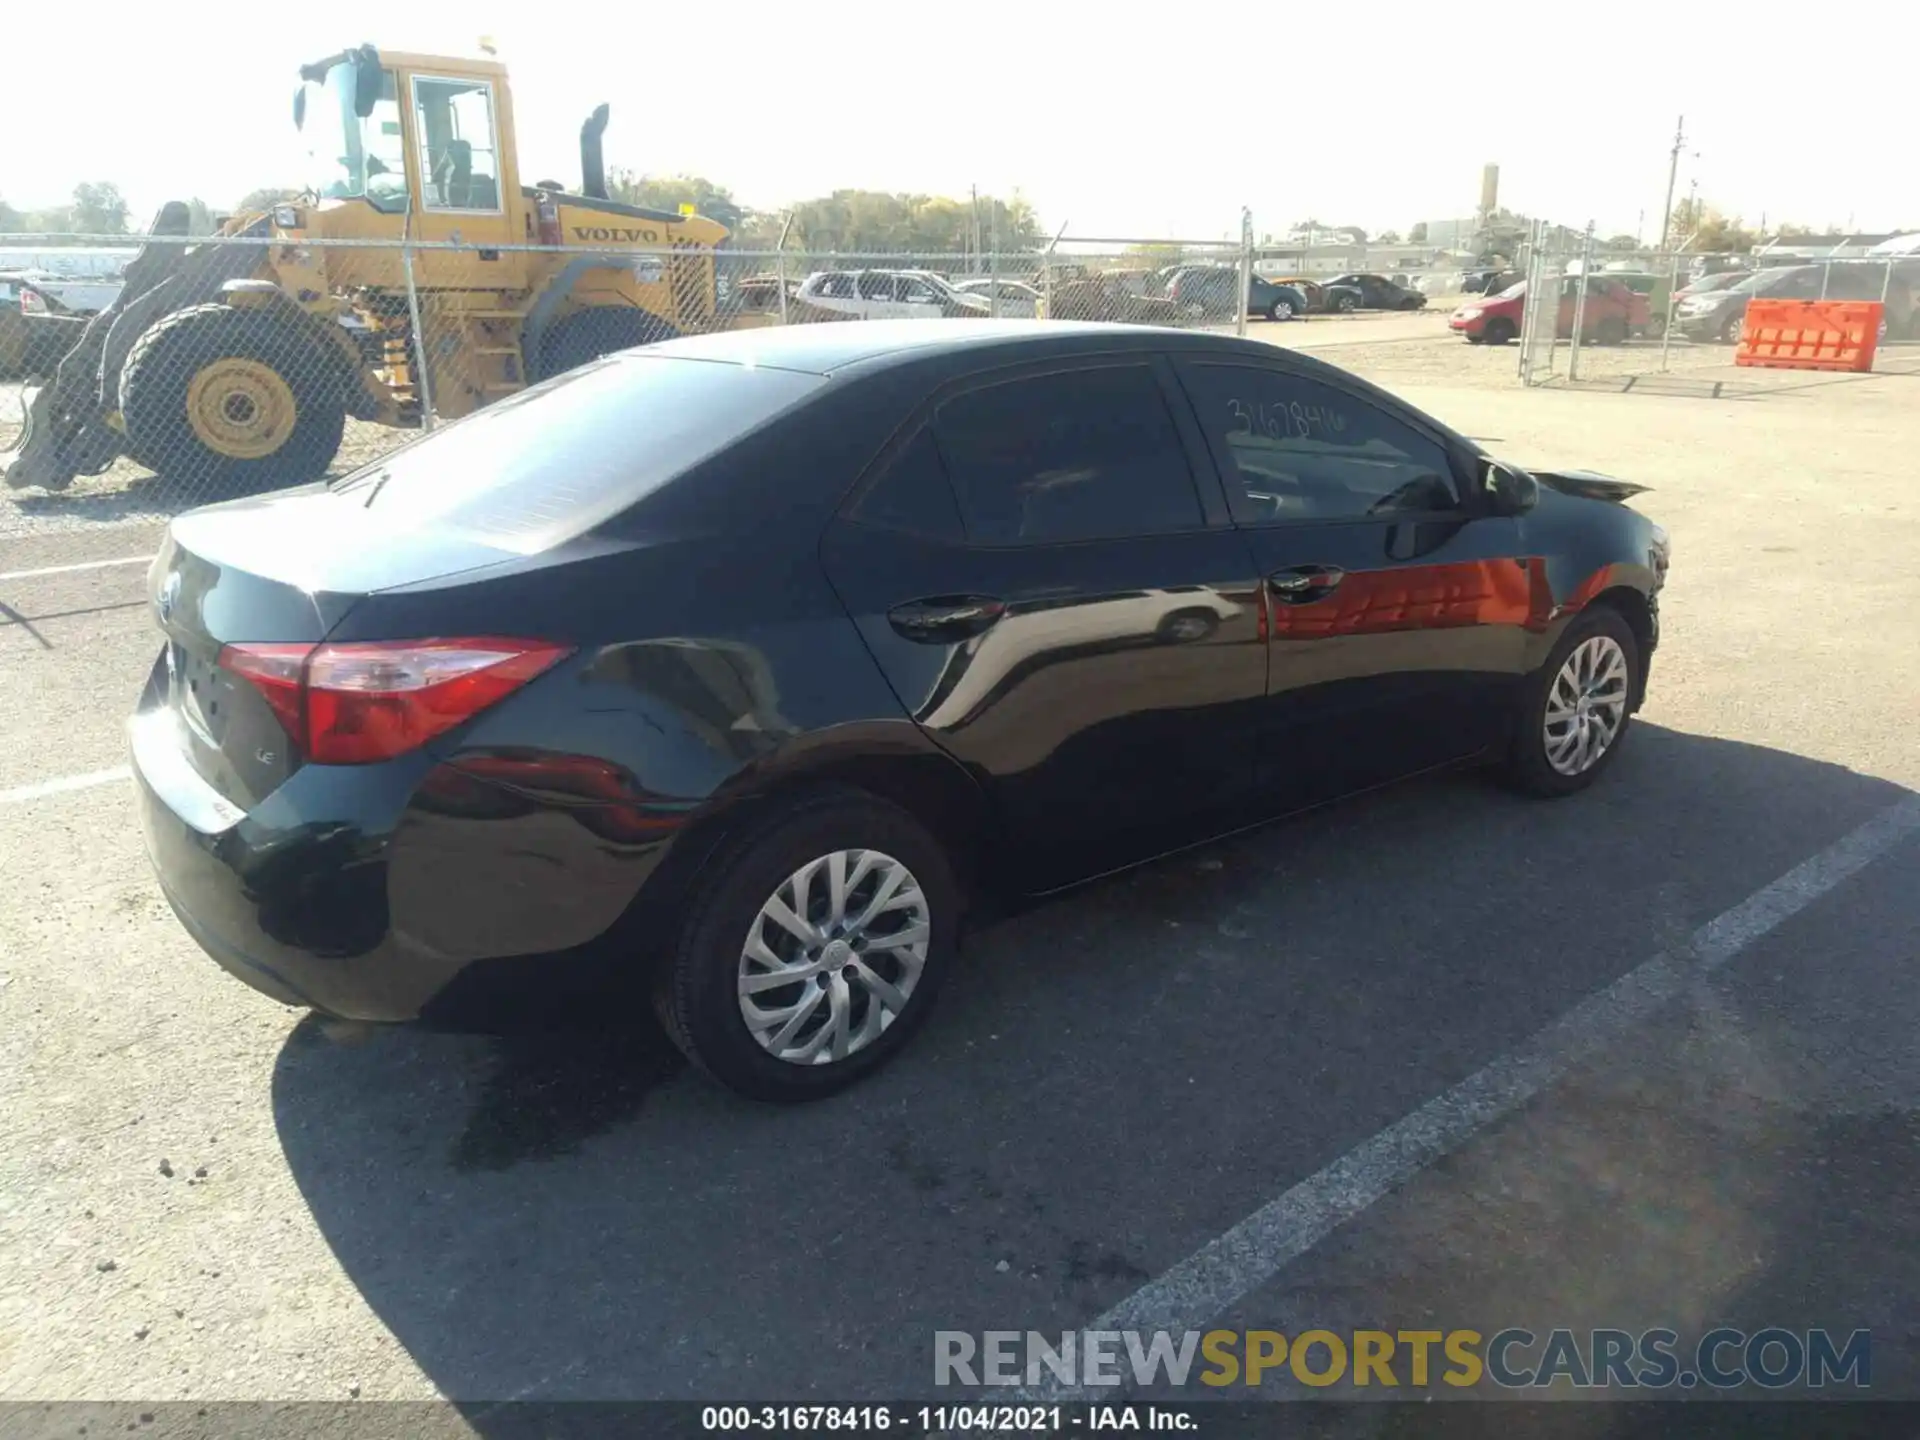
544,466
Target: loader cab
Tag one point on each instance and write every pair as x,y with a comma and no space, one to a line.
416,145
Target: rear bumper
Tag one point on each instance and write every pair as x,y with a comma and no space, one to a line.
385,893
294,904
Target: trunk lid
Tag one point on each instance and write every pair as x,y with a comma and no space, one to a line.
279,570
1590,485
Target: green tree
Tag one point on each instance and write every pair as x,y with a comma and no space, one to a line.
11,220
1621,242
1387,237
1418,234
882,222
99,208
200,219
1700,227
670,192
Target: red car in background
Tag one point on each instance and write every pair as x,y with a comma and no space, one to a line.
1613,313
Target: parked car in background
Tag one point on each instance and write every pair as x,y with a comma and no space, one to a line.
1657,289
1017,301
889,295
1371,292
36,327
1613,312
754,302
1718,315
1312,291
1007,607
1489,282
1104,297
1212,292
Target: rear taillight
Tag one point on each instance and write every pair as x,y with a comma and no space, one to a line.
359,702
32,303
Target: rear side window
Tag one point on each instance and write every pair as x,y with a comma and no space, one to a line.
913,494
1296,449
543,466
1075,455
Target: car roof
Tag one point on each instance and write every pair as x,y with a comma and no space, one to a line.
868,344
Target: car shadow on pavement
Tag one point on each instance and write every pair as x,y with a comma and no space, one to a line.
1111,1080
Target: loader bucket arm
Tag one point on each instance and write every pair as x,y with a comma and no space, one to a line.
67,432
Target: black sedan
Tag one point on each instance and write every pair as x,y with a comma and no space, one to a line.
730,673
1371,292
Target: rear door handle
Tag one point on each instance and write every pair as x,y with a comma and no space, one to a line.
941,619
1303,584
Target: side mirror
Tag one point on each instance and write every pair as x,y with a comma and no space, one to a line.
1507,491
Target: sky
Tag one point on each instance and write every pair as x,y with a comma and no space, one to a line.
1112,120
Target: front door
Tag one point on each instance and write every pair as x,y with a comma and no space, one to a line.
1397,615
1052,600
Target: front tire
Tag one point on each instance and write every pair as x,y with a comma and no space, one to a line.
814,950
227,401
1280,310
599,330
1499,332
1576,709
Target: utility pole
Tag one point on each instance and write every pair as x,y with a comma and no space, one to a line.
1673,173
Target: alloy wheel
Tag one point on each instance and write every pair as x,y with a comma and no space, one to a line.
833,957
1586,705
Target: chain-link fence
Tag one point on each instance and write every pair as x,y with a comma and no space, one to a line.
1601,319
216,367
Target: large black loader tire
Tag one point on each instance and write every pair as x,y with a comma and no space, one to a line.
600,330
222,402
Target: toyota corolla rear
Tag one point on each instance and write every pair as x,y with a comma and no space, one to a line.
312,799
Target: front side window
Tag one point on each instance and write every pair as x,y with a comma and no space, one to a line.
1075,455
350,157
459,159
876,286
1296,449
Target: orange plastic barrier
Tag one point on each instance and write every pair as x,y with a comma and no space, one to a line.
1810,334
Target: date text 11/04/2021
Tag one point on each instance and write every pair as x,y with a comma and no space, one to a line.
943,1419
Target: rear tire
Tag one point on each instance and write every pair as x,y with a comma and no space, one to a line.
699,988
222,401
1599,658
1729,333
1344,304
587,335
1610,331
1499,332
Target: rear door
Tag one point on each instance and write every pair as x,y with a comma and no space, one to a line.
879,296
919,300
1397,617
1055,599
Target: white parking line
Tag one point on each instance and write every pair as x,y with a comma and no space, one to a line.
71,569
1234,1265
23,793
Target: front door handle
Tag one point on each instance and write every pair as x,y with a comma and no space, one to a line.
941,619
1304,584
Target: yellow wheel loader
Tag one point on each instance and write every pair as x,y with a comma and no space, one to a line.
230,367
